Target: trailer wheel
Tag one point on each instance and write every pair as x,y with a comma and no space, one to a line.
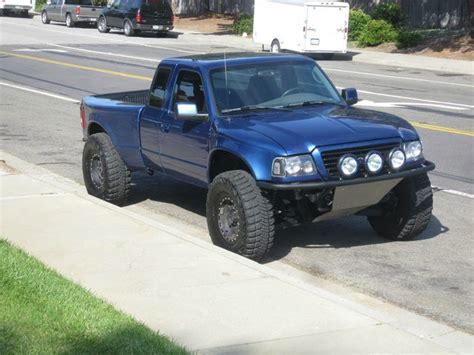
239,217
275,47
105,174
408,211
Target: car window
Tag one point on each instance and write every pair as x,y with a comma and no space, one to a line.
78,2
156,5
189,88
157,94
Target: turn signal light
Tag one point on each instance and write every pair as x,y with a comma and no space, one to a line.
83,116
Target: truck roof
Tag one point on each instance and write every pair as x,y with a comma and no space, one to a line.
218,59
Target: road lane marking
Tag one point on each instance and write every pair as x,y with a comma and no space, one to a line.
104,38
44,93
368,103
399,77
410,98
77,66
442,129
106,53
452,192
40,50
54,194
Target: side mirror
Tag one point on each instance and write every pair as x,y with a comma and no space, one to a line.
350,96
189,111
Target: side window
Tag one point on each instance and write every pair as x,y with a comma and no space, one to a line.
189,89
123,5
157,94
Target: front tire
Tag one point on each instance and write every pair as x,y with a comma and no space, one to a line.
105,174
410,211
45,18
239,217
69,21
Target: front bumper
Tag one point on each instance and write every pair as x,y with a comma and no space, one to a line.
424,168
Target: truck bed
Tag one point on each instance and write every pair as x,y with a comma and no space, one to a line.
139,97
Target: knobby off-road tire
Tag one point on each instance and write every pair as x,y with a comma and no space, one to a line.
105,174
412,212
235,203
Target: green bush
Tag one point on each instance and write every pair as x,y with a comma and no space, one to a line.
408,38
243,23
39,5
358,20
377,32
392,13
99,2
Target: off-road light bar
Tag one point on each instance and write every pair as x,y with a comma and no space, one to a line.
373,163
348,165
396,159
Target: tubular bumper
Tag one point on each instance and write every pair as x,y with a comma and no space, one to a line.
425,167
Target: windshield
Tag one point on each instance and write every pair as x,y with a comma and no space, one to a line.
271,86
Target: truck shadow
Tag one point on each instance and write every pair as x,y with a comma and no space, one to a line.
346,232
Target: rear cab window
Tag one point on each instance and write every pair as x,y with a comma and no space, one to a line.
160,85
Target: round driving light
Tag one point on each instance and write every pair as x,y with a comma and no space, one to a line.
348,165
396,159
373,162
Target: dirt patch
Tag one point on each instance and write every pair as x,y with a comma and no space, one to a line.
212,23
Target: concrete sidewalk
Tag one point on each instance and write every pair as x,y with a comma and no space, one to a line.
361,55
203,297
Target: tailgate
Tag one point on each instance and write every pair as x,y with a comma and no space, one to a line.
90,11
156,12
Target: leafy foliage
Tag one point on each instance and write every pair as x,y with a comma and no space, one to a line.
377,32
392,13
358,20
407,38
243,23
99,3
39,5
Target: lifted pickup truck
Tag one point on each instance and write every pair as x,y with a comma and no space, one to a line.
270,138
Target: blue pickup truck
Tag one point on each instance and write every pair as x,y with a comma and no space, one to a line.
271,139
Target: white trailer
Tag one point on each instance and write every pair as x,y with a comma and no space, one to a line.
301,26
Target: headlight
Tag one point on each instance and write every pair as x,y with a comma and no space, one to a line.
293,166
348,165
373,162
413,150
396,159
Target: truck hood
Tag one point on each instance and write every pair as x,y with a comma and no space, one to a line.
301,130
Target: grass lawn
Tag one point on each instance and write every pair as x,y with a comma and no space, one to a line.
42,312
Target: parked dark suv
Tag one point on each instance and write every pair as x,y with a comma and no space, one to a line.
135,16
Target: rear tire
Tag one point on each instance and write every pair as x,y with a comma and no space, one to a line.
69,21
44,18
410,214
128,28
275,46
102,25
239,217
105,174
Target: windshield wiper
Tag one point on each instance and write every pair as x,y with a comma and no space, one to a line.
249,108
307,103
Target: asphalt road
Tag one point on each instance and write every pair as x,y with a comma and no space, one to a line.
431,275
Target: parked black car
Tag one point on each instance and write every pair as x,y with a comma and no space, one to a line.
135,16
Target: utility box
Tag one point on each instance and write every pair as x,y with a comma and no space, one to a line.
301,26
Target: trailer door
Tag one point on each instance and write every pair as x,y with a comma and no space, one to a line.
326,28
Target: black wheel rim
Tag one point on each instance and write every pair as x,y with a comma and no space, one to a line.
97,172
228,220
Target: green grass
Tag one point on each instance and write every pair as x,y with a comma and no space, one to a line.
43,313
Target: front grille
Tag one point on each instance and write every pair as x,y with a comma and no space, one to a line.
331,158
